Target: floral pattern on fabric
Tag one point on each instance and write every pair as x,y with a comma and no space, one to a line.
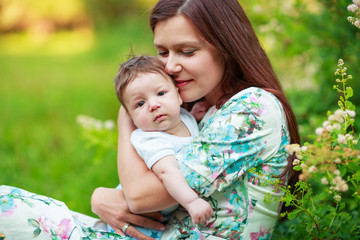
244,138
26,215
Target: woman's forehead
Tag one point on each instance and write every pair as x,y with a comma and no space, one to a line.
176,30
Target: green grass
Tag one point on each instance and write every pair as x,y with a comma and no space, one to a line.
44,87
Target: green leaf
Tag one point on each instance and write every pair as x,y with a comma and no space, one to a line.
341,105
357,176
33,223
349,92
353,167
297,168
294,213
350,106
36,232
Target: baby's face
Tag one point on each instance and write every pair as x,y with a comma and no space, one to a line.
153,102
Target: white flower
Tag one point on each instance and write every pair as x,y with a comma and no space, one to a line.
304,148
302,177
326,123
329,128
340,62
85,121
338,116
293,148
339,112
109,124
352,8
350,112
296,162
349,137
319,131
341,139
337,126
324,181
340,184
337,198
98,125
288,148
337,172
313,169
357,2
337,160
357,23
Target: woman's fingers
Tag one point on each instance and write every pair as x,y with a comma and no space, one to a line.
145,222
133,232
157,216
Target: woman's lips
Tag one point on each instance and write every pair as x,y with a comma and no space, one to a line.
181,83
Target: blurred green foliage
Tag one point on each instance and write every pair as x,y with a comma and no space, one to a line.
58,59
304,39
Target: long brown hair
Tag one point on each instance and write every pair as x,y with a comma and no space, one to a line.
224,24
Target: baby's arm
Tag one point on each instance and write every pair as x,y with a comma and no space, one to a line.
167,170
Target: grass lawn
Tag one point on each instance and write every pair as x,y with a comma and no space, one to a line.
45,85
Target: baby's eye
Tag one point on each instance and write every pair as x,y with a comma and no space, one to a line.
161,93
140,104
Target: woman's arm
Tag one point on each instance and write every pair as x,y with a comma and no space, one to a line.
143,191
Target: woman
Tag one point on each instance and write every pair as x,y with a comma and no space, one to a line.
212,52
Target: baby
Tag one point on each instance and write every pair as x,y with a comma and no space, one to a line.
153,102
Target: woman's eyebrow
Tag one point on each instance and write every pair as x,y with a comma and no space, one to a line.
182,44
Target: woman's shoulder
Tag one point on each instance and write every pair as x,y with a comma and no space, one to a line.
251,99
252,94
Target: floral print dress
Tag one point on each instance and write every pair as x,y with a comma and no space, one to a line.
240,149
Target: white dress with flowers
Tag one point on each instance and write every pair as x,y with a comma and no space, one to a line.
240,148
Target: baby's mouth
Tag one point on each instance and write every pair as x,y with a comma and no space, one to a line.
159,117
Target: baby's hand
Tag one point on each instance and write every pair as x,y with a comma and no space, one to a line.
199,109
199,210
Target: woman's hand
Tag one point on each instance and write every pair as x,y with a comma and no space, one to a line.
110,205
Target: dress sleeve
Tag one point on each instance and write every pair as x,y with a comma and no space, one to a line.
245,133
151,146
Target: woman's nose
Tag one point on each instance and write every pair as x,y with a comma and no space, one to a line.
172,65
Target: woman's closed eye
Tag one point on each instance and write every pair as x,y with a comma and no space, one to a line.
163,53
188,52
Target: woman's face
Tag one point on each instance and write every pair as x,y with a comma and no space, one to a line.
195,65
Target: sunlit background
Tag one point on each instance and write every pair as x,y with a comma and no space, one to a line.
58,60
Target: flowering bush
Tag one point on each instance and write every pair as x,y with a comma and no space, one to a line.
355,8
327,196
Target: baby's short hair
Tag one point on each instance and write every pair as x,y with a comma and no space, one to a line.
130,69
